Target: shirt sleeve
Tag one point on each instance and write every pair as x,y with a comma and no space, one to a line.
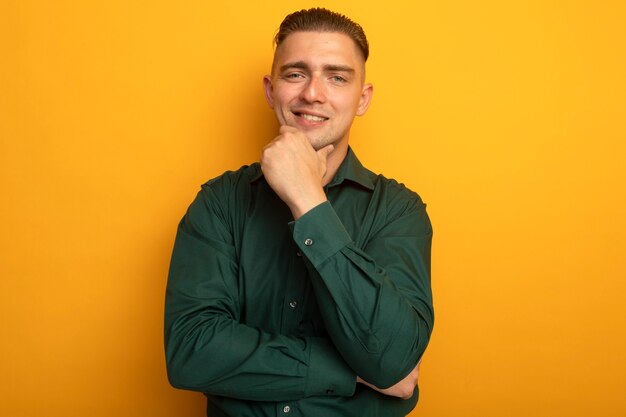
376,300
209,350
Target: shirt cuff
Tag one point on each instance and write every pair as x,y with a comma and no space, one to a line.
328,374
319,233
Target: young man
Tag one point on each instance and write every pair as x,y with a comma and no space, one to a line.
300,285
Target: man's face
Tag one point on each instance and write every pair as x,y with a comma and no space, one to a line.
317,86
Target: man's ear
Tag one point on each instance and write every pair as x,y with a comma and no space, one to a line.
366,97
269,90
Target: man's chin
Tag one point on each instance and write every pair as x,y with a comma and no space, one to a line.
319,143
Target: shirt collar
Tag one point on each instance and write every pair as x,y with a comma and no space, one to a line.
350,169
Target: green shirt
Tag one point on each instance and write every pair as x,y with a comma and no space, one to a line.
273,317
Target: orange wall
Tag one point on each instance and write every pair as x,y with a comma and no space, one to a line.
509,118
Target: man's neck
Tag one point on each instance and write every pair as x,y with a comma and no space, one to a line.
334,161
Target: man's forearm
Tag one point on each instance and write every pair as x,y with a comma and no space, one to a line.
379,318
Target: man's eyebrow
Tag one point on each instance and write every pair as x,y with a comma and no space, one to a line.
339,68
296,65
330,67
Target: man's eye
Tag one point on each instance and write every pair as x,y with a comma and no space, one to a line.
294,75
338,79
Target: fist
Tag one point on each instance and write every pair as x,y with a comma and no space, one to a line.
295,170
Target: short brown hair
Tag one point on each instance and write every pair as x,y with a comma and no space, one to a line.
319,19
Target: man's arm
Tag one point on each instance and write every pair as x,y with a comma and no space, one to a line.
375,298
209,350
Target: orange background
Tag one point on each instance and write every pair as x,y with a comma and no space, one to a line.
509,118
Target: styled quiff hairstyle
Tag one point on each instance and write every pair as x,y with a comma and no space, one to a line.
318,19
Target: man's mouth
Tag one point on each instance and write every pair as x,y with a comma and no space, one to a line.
311,117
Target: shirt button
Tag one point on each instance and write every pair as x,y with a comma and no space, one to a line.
293,304
308,242
298,253
329,391
286,409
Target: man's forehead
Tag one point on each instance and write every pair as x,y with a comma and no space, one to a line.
301,40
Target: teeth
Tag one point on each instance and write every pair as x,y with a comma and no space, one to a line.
312,118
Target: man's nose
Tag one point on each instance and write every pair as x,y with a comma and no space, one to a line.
314,90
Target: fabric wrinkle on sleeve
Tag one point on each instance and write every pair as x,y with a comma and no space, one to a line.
319,233
327,373
373,312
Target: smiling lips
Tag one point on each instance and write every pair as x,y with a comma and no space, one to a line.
311,117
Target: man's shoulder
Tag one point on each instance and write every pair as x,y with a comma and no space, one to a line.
230,181
397,198
395,190
385,187
224,196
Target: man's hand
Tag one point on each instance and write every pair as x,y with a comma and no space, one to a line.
294,170
403,389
